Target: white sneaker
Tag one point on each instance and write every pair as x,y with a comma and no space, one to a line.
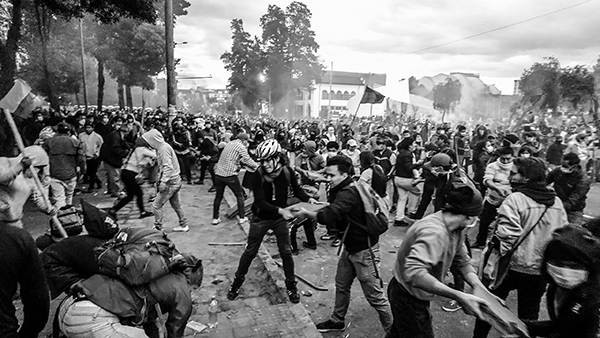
243,220
181,229
216,221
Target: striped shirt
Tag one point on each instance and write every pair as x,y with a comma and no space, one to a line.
234,155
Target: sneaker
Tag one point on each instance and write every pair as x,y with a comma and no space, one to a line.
401,223
329,326
146,214
451,306
327,237
243,220
234,291
295,252
216,221
157,227
200,182
292,292
112,213
309,246
212,189
181,229
336,242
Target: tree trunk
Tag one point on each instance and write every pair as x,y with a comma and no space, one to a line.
121,94
129,98
8,50
100,84
48,81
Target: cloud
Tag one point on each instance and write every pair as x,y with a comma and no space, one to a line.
378,36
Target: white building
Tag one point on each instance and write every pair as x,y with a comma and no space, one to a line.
332,92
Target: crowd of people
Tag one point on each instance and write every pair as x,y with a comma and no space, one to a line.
521,186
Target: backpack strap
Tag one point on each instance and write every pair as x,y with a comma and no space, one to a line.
520,240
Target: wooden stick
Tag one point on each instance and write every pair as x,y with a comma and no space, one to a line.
227,244
306,281
36,179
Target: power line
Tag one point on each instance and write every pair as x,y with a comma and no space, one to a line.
500,28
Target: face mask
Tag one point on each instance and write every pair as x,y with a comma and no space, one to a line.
40,118
566,278
525,155
489,149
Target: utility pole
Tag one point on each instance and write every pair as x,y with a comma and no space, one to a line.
171,84
85,102
330,84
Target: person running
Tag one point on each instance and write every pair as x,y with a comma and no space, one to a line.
270,185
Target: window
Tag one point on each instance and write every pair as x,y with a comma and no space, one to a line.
346,95
338,95
332,93
352,93
324,95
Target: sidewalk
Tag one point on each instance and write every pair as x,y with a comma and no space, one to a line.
263,308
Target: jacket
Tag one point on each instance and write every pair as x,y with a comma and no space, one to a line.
498,175
554,153
404,164
136,305
517,214
66,154
345,205
166,157
572,188
114,149
270,196
140,158
69,261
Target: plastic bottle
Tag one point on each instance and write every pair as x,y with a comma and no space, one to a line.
213,310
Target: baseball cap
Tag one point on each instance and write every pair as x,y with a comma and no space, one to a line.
352,143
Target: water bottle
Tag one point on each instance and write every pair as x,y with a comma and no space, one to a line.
213,309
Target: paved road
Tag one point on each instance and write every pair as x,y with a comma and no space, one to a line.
317,265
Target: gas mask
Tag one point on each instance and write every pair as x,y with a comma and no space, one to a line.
566,278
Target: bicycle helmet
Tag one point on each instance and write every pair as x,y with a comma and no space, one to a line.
268,149
441,160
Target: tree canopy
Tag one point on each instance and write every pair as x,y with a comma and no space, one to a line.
446,96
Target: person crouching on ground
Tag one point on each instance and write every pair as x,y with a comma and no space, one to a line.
431,246
346,210
270,185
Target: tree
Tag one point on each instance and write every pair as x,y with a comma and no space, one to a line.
540,84
577,85
138,53
446,96
105,11
290,48
245,62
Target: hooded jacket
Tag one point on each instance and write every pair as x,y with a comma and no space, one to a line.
571,188
519,212
165,155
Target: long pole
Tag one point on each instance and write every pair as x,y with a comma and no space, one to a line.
171,93
85,102
36,179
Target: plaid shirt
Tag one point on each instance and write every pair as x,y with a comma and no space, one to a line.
234,155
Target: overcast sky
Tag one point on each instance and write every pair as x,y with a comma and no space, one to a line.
381,36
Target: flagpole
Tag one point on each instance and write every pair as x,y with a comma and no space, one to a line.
354,117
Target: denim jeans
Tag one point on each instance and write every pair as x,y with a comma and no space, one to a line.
133,189
412,318
170,194
309,231
258,230
84,319
360,265
62,191
530,289
406,199
92,172
233,182
112,178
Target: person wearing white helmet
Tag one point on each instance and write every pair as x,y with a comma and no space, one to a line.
270,185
